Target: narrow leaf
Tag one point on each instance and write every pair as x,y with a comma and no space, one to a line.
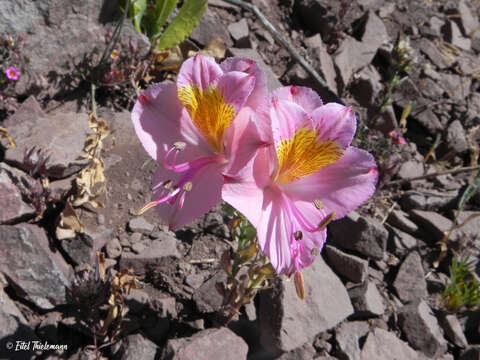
470,191
162,10
137,10
183,24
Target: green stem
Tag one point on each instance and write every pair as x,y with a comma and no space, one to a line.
93,88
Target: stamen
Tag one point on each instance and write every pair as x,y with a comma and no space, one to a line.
144,99
327,220
315,251
299,285
179,145
188,186
318,204
298,235
146,207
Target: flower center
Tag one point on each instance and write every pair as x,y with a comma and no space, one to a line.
208,111
304,155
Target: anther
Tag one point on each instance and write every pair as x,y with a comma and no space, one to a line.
188,186
318,204
298,235
327,220
179,145
315,252
167,184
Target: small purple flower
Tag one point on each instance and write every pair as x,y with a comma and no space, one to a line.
12,73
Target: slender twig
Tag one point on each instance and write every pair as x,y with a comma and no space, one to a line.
308,68
446,172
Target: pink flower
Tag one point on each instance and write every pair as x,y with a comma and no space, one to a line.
202,130
308,176
12,73
399,139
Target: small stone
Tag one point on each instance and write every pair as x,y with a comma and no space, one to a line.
348,337
79,248
435,56
469,22
410,282
101,219
39,275
428,200
456,137
349,266
166,307
400,219
206,297
362,234
210,28
151,256
135,238
410,169
456,86
403,240
453,330
208,344
239,32
366,301
14,208
382,345
138,247
136,347
12,330
326,65
421,329
139,224
194,280
455,37
433,223
113,248
287,322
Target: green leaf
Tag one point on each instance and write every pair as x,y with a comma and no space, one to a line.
162,10
471,190
137,10
183,24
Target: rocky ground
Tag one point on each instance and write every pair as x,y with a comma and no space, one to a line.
375,293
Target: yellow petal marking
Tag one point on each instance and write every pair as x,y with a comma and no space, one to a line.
304,155
208,111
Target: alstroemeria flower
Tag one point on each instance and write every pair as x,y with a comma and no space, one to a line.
309,176
201,130
12,73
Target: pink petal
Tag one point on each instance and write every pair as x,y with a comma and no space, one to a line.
286,118
160,120
200,70
205,194
342,186
274,232
242,141
305,97
335,122
259,94
236,87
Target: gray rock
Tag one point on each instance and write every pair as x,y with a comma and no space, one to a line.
427,200
456,137
140,225
138,248
456,86
320,54
421,329
382,345
468,22
14,208
209,28
151,256
410,169
368,84
403,240
287,322
272,79
33,270
365,235
305,352
435,56
453,330
166,307
239,32
455,37
430,88
400,219
473,353
80,249
349,266
48,328
348,337
58,33
432,223
113,248
208,344
136,347
410,281
15,330
194,280
206,297
366,300
61,137
427,118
